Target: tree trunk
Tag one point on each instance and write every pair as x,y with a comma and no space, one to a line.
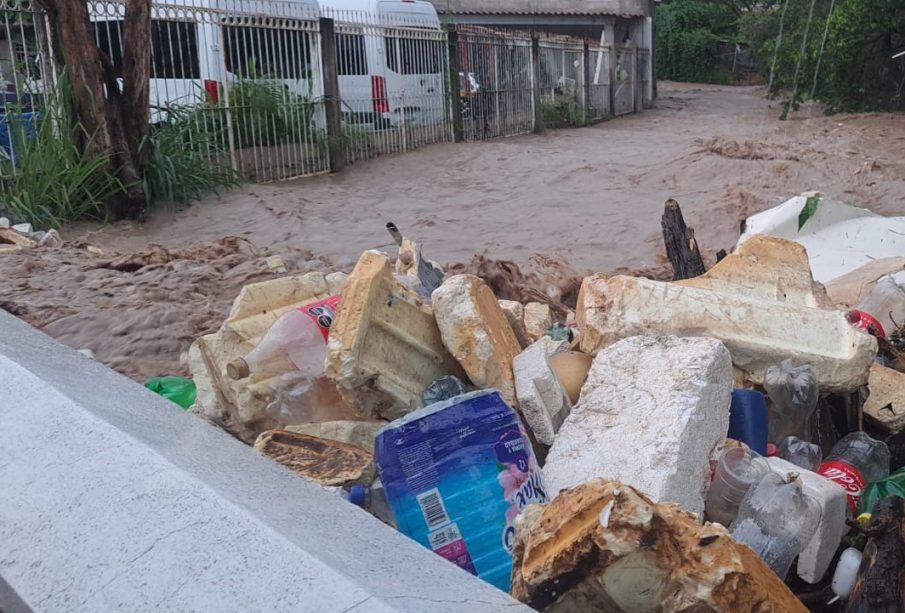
114,122
879,587
681,247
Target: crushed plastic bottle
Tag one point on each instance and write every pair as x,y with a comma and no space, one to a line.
296,341
793,394
855,461
775,519
800,453
372,499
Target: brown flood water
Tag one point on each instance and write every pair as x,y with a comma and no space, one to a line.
586,200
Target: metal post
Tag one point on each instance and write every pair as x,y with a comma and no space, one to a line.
332,100
535,82
609,31
455,91
586,81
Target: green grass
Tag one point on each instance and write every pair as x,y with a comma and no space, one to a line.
48,182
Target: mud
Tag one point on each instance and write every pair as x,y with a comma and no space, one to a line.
137,312
588,199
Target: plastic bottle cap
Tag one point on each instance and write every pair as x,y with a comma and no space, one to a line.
238,369
358,495
771,450
846,572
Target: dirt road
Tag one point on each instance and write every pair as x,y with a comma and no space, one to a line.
591,197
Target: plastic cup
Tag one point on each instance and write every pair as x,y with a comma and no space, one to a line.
737,470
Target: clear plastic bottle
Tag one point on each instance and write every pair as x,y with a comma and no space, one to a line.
793,393
800,453
855,461
296,341
776,519
886,302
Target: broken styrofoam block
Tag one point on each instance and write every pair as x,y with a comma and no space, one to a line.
538,320
817,554
515,313
335,282
759,333
542,399
24,229
321,460
838,237
358,433
885,406
384,346
476,332
605,546
241,406
650,413
769,268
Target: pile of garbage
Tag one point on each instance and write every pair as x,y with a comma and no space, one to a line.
15,237
731,440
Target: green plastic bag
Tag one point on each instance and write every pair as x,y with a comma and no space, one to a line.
893,485
175,389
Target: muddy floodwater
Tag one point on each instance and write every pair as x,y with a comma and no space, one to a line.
586,200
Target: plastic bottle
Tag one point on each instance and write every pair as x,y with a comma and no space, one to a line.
886,303
737,470
793,396
372,499
845,574
296,341
775,519
800,453
855,461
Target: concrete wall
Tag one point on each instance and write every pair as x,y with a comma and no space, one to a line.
113,499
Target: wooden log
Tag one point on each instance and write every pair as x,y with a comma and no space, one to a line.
879,587
681,246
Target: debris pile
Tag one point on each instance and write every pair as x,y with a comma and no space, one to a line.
697,444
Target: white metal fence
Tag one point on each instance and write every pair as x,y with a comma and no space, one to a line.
244,81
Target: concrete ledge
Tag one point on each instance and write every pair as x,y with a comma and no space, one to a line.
113,499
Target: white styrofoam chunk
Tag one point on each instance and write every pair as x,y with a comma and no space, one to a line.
817,554
542,399
650,413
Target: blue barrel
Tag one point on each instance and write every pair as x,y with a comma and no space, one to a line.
748,419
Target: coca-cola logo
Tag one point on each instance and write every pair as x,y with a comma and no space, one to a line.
846,476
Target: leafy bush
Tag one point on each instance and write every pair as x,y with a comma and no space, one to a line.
44,178
687,35
185,158
856,69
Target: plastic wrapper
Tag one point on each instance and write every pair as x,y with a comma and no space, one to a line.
456,475
176,389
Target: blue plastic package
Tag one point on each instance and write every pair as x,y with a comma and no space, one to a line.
456,474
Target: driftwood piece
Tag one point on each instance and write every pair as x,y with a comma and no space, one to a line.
879,587
681,246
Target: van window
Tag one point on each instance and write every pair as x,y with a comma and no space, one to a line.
267,52
350,54
174,47
416,56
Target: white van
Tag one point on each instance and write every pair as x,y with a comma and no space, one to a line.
387,80
199,46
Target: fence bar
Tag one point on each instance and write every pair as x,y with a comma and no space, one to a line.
586,81
609,30
331,95
536,82
455,89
